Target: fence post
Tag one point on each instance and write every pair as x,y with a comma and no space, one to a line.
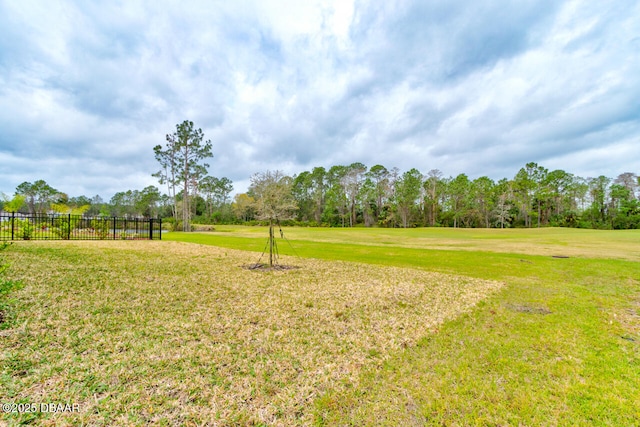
160,229
13,217
150,228
69,229
114,228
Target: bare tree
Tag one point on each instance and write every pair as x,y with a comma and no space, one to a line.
274,200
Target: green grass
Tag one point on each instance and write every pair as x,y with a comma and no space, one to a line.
169,333
559,346
546,241
6,289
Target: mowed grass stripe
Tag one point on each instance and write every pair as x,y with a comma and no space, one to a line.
558,346
482,264
610,244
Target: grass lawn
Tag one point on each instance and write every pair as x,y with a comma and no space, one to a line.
376,327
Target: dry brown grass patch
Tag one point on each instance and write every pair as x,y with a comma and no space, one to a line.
150,332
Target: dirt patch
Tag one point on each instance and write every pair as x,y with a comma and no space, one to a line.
267,267
528,309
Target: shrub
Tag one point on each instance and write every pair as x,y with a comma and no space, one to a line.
26,228
177,226
202,227
101,227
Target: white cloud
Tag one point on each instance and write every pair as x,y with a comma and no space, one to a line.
466,87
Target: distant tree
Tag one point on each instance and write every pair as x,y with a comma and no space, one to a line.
79,201
207,189
458,190
244,207
527,184
379,176
598,190
433,187
302,190
367,197
542,192
169,170
274,200
336,206
132,203
352,182
618,194
318,180
14,204
407,192
502,194
38,195
630,181
501,211
60,198
482,191
123,203
146,202
222,189
98,206
624,209
215,192
578,193
309,190
558,184
62,208
182,163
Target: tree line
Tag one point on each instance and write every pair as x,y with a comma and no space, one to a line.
41,198
353,195
213,204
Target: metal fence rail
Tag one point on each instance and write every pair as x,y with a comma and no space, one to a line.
16,226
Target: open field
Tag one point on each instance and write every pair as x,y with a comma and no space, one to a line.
543,241
409,327
153,332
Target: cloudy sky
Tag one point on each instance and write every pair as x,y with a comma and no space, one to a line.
478,87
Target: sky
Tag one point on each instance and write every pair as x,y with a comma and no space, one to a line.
480,87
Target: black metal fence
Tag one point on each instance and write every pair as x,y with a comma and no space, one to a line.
16,226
